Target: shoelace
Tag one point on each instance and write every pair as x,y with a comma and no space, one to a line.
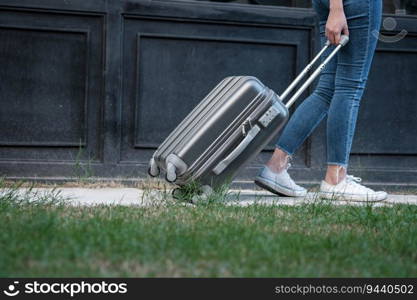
291,182
288,163
353,178
356,181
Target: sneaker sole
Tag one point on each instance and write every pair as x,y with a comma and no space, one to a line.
349,198
274,190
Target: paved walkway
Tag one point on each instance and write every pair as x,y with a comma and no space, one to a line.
133,196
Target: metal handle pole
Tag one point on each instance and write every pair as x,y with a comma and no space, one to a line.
344,40
303,73
312,78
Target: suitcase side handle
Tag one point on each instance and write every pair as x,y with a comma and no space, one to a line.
221,166
343,41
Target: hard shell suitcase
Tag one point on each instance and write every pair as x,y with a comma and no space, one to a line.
228,128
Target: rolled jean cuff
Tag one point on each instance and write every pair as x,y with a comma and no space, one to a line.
279,146
338,164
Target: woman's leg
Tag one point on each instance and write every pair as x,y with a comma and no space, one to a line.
354,62
352,71
311,111
305,119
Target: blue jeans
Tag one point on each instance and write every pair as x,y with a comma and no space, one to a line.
341,84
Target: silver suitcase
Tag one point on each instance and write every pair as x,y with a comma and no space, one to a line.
228,128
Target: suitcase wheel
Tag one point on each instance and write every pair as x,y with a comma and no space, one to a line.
185,194
154,172
171,174
178,194
153,169
175,193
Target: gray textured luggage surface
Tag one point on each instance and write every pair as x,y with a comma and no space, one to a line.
180,131
200,114
233,135
216,121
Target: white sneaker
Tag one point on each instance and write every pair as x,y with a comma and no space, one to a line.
349,189
279,183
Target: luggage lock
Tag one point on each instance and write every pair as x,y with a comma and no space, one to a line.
268,116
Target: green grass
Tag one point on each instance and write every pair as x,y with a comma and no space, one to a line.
211,239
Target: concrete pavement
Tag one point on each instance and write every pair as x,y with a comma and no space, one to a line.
138,197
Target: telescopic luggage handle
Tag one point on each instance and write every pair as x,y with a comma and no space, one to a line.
343,41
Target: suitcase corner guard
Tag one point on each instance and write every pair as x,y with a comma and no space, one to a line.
153,169
175,167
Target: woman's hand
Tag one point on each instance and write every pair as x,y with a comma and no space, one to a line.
336,22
